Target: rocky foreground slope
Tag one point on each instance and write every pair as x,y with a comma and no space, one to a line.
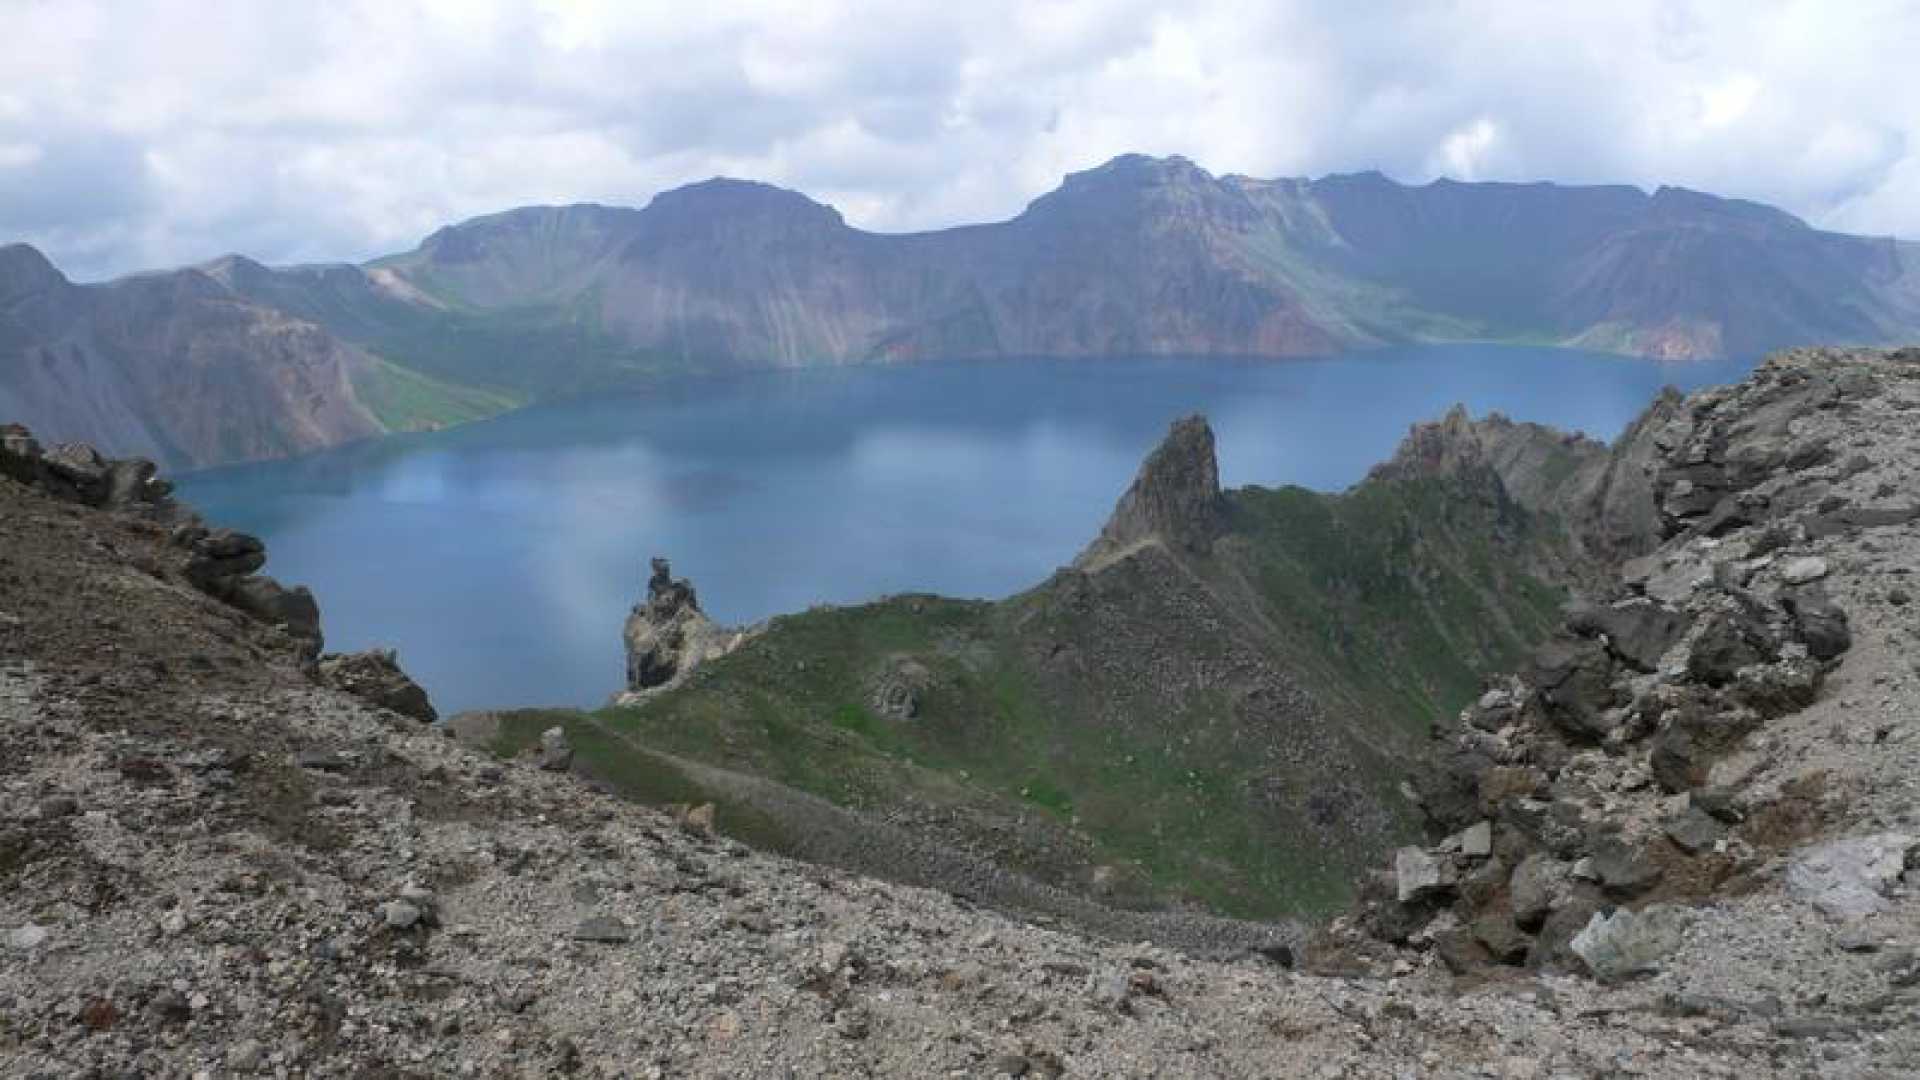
213,864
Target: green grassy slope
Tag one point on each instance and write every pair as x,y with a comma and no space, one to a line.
406,400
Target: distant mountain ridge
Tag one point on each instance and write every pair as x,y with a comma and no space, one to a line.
1138,256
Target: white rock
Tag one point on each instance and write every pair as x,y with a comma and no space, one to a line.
399,915
1629,942
1477,840
1849,879
1416,873
1802,570
28,937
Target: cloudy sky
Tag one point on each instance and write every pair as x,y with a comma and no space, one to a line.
140,134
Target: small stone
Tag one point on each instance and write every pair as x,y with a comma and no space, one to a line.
170,1007
400,915
1014,1065
28,937
320,760
246,1055
1857,941
1695,831
702,820
1802,570
602,929
556,754
1718,802
174,923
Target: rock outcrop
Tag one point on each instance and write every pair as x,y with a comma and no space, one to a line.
1175,499
222,563
375,676
668,636
1677,734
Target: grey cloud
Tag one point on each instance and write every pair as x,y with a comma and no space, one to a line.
149,133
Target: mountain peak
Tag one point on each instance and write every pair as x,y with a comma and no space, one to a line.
725,195
23,270
1175,498
235,271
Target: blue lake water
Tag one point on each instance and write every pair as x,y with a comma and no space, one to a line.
500,558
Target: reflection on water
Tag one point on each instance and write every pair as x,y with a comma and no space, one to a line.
500,558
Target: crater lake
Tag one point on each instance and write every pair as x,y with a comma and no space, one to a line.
500,558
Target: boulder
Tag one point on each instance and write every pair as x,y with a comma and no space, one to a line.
1539,884
1575,678
1416,873
1693,830
1850,878
79,472
1803,570
1726,642
376,676
1676,764
216,558
1498,932
1552,945
896,691
21,457
1818,621
1476,842
1638,633
1628,943
1623,869
293,610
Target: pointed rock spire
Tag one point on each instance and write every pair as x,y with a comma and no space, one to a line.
1175,499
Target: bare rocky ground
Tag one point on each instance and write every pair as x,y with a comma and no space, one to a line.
213,864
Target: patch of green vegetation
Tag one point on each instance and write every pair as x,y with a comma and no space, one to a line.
406,400
637,773
1044,791
1408,589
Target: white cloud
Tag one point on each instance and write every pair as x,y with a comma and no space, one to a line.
137,134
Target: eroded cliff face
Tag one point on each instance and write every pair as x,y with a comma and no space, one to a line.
174,367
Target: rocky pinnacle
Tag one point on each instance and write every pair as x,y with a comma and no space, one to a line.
1175,499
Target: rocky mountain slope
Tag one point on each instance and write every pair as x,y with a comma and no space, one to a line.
1145,255
235,360
211,863
171,366
182,368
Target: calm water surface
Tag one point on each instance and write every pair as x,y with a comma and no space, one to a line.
500,558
